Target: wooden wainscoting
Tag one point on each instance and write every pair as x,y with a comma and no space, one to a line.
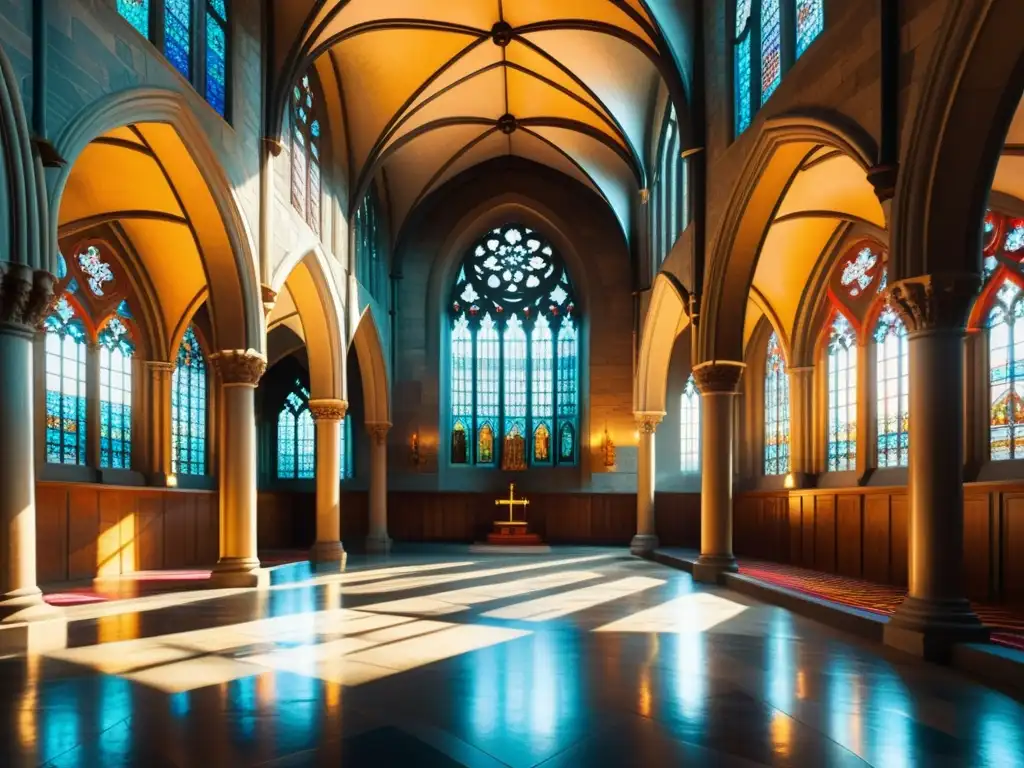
85,530
676,519
287,519
863,533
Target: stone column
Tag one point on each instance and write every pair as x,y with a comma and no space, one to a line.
92,406
159,426
801,425
25,296
646,539
935,614
378,542
239,372
329,415
717,383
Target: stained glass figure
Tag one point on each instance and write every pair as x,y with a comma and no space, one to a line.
771,47
742,66
136,13
188,408
776,410
511,371
1014,236
217,55
810,22
178,35
689,428
1006,374
296,436
306,161
65,386
116,350
842,396
96,271
892,384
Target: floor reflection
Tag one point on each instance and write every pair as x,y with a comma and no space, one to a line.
576,660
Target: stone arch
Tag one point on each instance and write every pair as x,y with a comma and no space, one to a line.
211,205
373,367
971,90
306,274
668,315
786,147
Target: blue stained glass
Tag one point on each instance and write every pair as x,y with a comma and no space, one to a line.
742,85
62,267
188,408
1006,374
567,369
689,428
567,443
116,351
72,286
216,62
810,21
296,436
178,35
771,47
136,13
515,376
219,7
345,448
542,381
892,388
306,130
1015,237
123,310
488,382
461,356
306,443
285,444
842,397
776,410
65,361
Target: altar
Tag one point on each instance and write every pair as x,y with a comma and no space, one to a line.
509,532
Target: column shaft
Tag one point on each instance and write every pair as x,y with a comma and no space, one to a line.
92,406
378,541
329,415
801,426
159,426
646,539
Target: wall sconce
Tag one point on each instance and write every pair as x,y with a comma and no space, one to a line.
608,449
172,481
414,449
789,482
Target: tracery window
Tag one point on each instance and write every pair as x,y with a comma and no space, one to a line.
842,396
306,160
1006,373
188,408
116,349
371,266
669,206
296,436
514,354
689,428
776,410
199,51
892,388
782,30
345,448
65,386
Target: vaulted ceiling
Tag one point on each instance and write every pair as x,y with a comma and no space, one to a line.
430,89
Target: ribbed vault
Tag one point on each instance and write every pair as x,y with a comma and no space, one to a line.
429,89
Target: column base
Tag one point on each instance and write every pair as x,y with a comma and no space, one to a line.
327,552
29,625
378,544
643,545
233,572
709,568
930,628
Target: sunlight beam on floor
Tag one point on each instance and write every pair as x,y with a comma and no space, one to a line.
556,606
693,613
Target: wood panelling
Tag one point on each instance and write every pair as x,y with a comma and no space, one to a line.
676,519
977,545
849,535
825,533
899,520
877,538
1012,550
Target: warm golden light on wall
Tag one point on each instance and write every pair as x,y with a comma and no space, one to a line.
172,481
790,481
414,449
608,449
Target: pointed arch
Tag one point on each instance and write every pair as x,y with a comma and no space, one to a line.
374,369
306,271
668,316
208,197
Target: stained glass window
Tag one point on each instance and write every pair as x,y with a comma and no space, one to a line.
810,21
188,408
116,351
65,386
689,428
345,448
178,35
892,390
296,436
217,54
842,396
136,13
776,410
306,161
1006,374
97,272
741,66
771,47
514,354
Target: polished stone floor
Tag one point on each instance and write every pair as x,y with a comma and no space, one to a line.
578,658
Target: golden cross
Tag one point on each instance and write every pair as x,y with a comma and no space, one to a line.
511,501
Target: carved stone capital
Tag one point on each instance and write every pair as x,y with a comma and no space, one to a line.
935,302
239,366
26,295
647,421
328,410
378,432
718,377
160,366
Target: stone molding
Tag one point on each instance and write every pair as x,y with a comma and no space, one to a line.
160,366
239,366
647,422
941,301
378,432
26,295
328,410
718,377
